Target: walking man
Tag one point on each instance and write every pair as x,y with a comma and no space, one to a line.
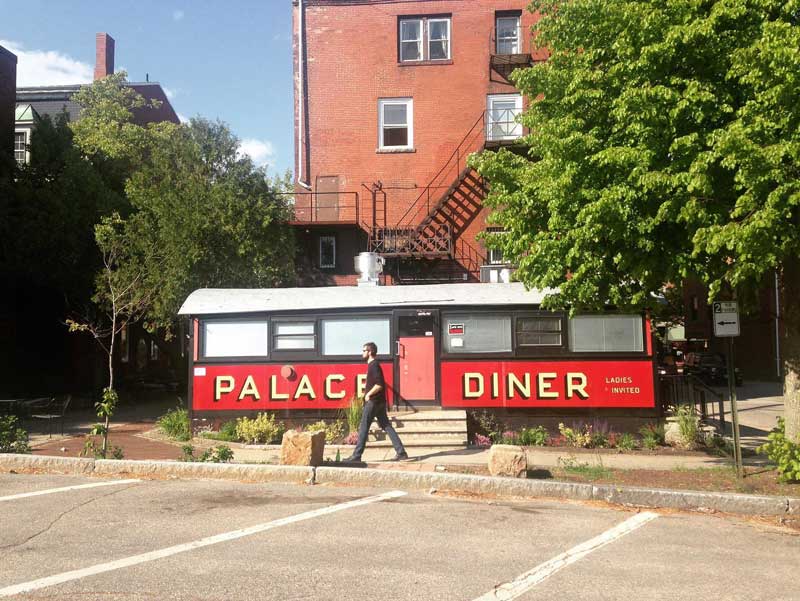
375,407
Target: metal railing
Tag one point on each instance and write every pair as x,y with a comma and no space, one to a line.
435,241
325,207
687,389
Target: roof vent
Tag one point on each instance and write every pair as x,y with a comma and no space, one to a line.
370,267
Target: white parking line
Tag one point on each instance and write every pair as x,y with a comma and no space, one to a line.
525,582
203,542
50,491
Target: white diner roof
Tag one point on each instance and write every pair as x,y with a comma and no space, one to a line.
208,301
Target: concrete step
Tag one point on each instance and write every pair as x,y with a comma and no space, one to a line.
421,442
437,428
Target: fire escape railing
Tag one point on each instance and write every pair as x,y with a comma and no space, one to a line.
324,207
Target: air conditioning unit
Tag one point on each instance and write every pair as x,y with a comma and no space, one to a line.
496,274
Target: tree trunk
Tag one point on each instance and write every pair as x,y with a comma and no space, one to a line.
790,310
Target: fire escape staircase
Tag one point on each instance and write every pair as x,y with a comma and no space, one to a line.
433,225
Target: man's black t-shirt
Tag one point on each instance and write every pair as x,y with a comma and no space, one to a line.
375,376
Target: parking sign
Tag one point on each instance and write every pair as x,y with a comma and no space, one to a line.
726,319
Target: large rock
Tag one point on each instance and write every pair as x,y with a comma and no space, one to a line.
302,448
507,460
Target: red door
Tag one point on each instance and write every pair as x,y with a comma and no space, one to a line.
417,365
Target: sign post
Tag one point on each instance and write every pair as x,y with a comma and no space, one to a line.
726,325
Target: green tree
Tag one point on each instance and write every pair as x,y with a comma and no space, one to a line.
664,145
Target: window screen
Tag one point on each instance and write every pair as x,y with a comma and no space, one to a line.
606,333
538,331
347,336
294,335
482,334
235,338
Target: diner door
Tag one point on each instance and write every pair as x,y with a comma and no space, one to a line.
415,356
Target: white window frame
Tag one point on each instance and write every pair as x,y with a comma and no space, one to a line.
516,132
428,39
409,104
515,41
24,149
420,40
327,265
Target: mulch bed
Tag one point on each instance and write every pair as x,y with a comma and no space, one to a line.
128,437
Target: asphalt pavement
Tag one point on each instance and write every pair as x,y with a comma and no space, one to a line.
212,540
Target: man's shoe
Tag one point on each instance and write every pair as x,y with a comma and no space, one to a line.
351,459
400,457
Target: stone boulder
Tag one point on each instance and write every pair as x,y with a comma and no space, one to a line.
302,448
508,460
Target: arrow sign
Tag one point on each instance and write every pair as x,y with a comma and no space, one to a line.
726,319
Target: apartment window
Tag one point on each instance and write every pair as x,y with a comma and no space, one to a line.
424,39
494,256
327,251
20,150
538,331
502,111
507,34
293,335
396,123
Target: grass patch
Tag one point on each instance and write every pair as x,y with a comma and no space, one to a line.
573,467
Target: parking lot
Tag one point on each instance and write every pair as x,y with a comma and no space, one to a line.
65,537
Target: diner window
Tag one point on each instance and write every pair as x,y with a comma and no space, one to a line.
293,335
347,336
464,333
424,39
606,333
20,147
235,338
538,331
327,251
396,123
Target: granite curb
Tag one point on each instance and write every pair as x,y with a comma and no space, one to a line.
502,487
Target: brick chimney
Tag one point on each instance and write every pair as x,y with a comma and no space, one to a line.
104,56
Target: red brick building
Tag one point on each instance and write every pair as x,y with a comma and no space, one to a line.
391,98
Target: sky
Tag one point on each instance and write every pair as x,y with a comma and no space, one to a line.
230,61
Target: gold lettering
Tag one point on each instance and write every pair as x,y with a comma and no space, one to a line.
524,386
361,384
543,388
304,387
578,387
274,395
495,385
329,394
249,389
473,377
220,389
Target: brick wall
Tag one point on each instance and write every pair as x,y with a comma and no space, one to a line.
8,91
351,58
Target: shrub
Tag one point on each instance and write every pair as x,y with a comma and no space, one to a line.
482,441
579,435
652,435
599,440
334,431
687,425
784,452
227,432
219,454
13,439
353,412
264,428
351,438
508,437
626,442
175,424
487,424
536,437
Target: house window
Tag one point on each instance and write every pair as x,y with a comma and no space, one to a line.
494,256
396,123
124,345
538,331
20,150
293,335
502,111
507,34
424,39
153,351
327,251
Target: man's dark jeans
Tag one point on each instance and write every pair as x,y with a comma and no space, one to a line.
376,410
